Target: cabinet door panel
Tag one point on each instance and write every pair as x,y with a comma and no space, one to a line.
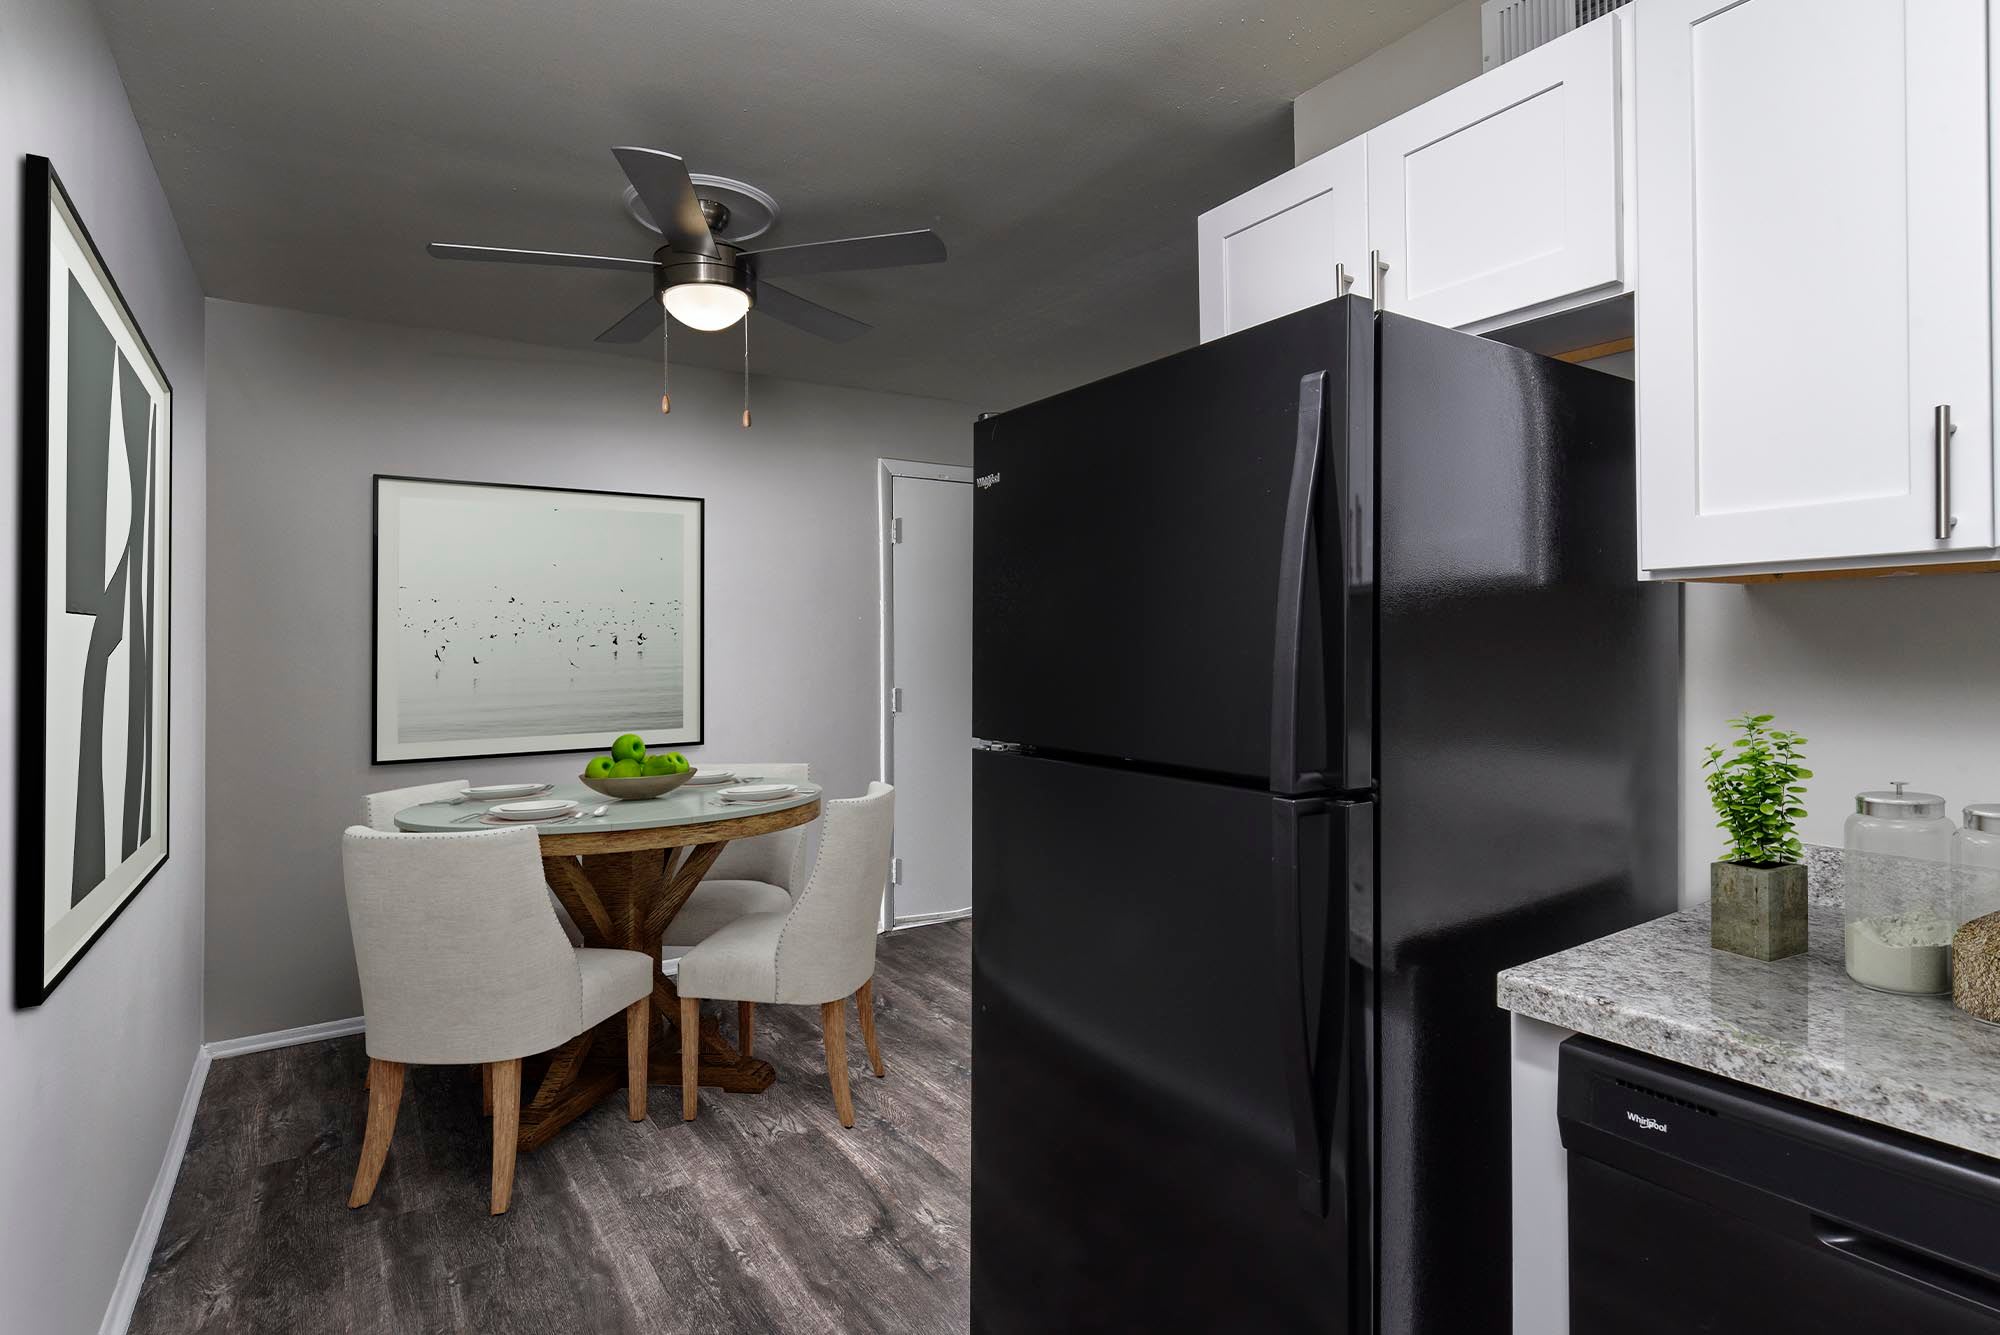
1276,249
1503,194
1813,215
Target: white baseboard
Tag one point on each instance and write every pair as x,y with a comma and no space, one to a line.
930,919
285,1038
132,1275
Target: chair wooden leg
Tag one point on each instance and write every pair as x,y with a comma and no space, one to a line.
864,1003
485,1089
833,1025
638,1024
506,1129
385,1093
690,1056
746,1027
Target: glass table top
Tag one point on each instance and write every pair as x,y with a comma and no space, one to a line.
687,805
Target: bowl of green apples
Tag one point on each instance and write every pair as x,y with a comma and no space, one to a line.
629,774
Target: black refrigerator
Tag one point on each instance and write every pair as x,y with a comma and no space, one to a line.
1317,687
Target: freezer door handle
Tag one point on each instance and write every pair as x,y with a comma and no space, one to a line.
1309,1125
1906,1263
1288,644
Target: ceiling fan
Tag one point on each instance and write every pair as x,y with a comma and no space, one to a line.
708,283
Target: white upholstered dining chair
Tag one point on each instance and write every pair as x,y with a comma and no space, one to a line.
754,875
378,812
818,952
462,963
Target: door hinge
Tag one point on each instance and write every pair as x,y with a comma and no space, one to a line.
895,871
895,699
896,530
987,480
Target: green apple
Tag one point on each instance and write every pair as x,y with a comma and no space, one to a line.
680,762
627,769
659,764
629,747
599,767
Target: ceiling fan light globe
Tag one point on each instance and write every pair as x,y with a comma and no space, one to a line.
706,306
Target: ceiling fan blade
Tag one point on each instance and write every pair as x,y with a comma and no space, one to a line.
886,251
636,323
810,316
446,251
664,188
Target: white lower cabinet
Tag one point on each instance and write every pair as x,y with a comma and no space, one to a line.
1813,212
1293,242
1502,196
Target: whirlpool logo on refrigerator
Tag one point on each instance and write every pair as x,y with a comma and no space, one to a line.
1645,1123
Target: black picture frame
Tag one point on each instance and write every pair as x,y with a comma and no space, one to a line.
376,757
43,192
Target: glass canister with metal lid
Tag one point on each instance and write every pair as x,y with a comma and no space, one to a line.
1975,946
1899,909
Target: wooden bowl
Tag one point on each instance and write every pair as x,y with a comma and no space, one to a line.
638,789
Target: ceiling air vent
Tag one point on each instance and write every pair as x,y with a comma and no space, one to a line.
1508,28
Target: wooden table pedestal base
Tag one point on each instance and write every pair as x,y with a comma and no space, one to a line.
624,899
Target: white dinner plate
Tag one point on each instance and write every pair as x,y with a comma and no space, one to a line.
553,818
758,792
542,810
494,792
704,778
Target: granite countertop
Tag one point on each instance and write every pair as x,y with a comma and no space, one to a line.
1799,1027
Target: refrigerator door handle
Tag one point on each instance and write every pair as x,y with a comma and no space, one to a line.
1294,1014
1288,644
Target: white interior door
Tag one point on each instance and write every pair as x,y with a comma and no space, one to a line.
929,675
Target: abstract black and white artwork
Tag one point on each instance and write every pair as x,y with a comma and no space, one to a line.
97,446
512,620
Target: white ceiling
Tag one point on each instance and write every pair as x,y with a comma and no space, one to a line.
1061,147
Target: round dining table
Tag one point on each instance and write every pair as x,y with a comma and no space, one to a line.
623,876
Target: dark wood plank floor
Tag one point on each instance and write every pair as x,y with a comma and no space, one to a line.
763,1215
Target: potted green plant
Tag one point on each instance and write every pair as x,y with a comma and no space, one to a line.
1757,894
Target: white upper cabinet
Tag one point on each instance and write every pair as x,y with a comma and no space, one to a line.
1812,208
1502,197
1286,245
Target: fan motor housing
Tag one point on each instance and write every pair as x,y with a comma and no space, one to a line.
675,267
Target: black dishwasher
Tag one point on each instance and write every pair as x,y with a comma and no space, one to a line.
1697,1204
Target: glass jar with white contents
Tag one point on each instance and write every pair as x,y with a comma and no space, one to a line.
1975,946
1899,909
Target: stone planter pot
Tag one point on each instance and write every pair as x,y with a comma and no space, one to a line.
1757,911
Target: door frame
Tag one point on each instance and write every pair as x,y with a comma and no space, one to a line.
886,473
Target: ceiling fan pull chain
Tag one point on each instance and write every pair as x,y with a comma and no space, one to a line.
746,369
666,366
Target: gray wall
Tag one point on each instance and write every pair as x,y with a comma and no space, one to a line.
308,408
1889,678
1439,56
95,1076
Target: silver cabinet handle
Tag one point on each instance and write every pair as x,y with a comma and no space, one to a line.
1377,266
1342,280
1944,428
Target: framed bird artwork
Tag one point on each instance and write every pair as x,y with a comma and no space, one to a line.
516,620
